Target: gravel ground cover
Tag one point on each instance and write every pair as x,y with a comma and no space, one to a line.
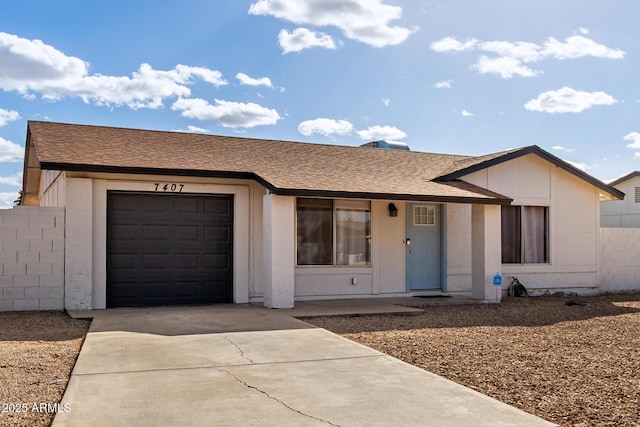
37,353
574,365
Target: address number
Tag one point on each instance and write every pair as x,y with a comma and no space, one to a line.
174,188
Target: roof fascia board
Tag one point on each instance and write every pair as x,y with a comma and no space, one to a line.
157,171
624,178
385,196
533,149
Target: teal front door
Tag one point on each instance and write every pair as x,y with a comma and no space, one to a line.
423,247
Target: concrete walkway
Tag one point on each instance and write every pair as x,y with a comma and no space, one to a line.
245,365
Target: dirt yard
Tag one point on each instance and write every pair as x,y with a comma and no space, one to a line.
37,353
574,365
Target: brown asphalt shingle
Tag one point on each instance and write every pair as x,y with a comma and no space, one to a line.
284,167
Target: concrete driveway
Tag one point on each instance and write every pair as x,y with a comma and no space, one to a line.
244,365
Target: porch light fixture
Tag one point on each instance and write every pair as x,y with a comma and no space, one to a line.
393,211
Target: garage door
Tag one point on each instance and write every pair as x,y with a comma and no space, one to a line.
169,249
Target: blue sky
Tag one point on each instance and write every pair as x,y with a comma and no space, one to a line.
459,77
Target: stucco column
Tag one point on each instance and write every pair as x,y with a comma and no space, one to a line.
486,255
279,251
78,254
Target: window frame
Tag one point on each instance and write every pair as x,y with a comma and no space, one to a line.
523,241
338,204
431,212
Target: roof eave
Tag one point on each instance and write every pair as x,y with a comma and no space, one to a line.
624,178
297,192
391,196
30,173
534,149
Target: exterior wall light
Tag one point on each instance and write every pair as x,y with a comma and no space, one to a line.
393,210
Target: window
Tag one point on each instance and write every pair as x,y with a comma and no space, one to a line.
525,234
315,232
424,215
637,194
321,222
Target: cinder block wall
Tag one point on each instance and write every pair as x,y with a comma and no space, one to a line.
32,258
619,259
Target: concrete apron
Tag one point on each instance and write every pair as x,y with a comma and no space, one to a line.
245,365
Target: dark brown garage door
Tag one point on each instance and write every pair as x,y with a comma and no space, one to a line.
169,249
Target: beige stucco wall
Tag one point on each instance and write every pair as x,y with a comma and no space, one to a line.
458,243
389,251
573,223
622,213
279,251
385,275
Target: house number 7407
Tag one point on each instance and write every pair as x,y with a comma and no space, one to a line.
177,188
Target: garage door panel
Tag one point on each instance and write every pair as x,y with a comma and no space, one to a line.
211,207
126,289
156,232
217,261
169,249
186,232
187,261
122,232
217,234
186,205
156,261
124,261
156,289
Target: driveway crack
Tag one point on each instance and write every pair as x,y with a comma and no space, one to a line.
278,400
239,349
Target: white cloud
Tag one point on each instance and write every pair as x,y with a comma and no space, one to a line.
582,166
578,47
561,148
449,44
192,129
510,57
584,30
634,137
10,152
7,116
13,180
386,101
229,114
302,38
246,80
326,127
523,51
30,67
466,113
366,21
444,84
7,199
568,100
388,133
503,66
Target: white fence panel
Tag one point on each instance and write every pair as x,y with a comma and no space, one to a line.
619,259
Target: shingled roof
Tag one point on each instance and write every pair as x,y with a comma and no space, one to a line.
286,168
